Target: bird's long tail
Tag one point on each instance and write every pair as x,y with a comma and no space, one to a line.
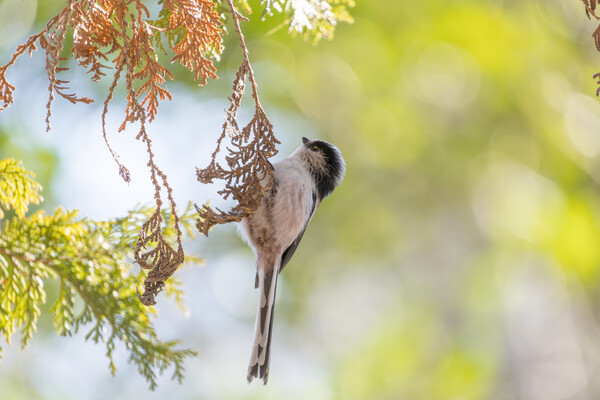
261,351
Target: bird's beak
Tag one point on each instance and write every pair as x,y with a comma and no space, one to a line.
304,140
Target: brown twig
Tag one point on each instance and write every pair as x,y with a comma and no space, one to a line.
590,10
248,174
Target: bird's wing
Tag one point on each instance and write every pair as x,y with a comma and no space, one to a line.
289,252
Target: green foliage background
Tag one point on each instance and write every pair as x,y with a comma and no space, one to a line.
459,259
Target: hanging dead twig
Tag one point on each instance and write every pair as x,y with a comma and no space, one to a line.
248,174
590,10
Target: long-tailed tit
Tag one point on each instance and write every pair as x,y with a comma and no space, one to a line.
274,231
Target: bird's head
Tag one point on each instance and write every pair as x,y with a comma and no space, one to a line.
325,163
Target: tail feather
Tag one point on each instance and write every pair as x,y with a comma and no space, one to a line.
263,327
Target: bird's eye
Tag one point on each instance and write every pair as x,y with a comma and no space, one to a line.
315,148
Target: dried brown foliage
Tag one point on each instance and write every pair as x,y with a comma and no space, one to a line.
252,145
590,10
122,30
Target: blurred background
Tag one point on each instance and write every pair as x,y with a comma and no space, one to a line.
459,259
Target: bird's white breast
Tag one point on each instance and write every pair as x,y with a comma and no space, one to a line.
293,199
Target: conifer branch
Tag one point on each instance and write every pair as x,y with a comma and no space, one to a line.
120,28
90,261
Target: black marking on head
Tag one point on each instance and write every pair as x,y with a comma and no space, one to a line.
328,178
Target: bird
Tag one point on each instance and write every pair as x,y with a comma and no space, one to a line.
300,183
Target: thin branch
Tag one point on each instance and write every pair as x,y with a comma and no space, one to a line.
236,21
248,175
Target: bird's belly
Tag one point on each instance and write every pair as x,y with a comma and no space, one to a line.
290,212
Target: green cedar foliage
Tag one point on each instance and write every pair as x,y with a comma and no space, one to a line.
17,188
90,260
